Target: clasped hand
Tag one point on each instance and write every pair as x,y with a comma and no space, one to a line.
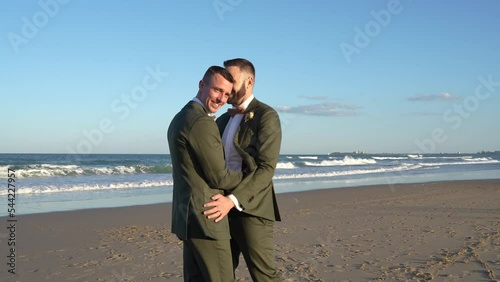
218,208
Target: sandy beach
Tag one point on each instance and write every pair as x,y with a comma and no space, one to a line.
440,231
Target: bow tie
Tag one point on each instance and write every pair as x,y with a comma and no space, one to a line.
236,111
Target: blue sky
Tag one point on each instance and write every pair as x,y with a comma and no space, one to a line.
379,76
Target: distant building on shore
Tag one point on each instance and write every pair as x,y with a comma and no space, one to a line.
347,153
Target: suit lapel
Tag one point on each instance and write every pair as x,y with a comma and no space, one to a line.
244,125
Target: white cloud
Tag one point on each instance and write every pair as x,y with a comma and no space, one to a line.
444,96
323,109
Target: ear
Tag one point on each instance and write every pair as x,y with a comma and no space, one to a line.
250,81
201,84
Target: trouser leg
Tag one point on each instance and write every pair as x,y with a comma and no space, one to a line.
255,240
207,260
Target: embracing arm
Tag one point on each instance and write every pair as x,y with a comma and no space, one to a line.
265,153
208,153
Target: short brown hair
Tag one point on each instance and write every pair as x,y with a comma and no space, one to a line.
243,64
213,70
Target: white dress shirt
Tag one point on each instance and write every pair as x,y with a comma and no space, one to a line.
233,158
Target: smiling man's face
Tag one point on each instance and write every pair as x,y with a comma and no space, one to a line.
215,92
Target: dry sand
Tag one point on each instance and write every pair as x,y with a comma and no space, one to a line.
443,231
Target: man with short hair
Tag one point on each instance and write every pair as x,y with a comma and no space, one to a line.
199,171
254,127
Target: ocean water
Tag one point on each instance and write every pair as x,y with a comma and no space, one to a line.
58,182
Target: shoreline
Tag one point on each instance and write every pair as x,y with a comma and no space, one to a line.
280,188
440,230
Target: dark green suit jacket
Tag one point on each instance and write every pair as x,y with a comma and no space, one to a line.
260,137
199,171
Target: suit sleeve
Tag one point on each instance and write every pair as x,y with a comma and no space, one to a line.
206,144
265,154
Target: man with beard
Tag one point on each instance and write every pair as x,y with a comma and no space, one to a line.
199,171
254,127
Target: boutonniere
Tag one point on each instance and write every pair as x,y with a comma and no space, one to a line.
248,116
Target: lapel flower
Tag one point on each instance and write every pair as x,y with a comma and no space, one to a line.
249,116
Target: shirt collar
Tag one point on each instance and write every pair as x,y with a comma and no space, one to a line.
247,102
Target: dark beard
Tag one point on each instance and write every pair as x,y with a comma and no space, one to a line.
237,95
